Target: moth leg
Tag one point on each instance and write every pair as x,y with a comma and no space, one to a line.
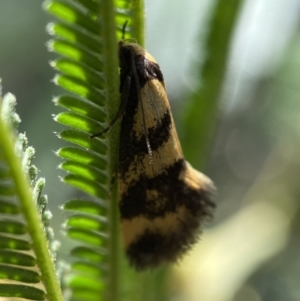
124,100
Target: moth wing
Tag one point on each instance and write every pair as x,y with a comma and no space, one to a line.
154,114
163,199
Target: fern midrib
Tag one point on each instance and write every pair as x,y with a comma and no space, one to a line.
113,101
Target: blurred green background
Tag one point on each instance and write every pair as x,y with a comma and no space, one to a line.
251,250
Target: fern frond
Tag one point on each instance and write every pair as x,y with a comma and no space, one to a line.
86,41
26,264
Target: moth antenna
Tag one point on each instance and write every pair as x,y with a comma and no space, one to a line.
124,29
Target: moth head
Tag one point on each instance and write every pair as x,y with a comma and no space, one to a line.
129,48
124,42
128,51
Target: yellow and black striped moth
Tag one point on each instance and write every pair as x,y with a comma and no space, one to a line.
163,200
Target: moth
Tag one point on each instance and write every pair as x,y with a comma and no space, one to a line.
163,200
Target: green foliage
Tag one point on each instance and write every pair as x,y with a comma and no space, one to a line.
86,41
202,106
25,258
